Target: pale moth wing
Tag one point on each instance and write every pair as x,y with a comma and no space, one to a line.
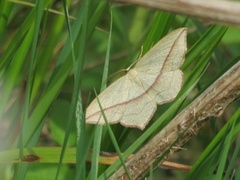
155,79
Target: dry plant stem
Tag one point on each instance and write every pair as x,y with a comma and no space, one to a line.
211,102
175,166
225,12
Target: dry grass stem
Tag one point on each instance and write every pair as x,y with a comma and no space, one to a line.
224,12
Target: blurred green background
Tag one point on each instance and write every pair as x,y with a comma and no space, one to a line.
37,80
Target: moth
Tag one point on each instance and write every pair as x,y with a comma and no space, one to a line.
155,79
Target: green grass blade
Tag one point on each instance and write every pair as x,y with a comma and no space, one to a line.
209,159
77,68
99,129
232,162
114,141
5,7
227,141
160,27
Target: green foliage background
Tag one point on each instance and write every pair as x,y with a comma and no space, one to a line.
51,62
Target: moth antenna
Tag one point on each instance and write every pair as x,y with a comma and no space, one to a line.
127,69
139,57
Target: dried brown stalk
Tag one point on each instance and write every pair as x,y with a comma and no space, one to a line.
211,102
224,12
